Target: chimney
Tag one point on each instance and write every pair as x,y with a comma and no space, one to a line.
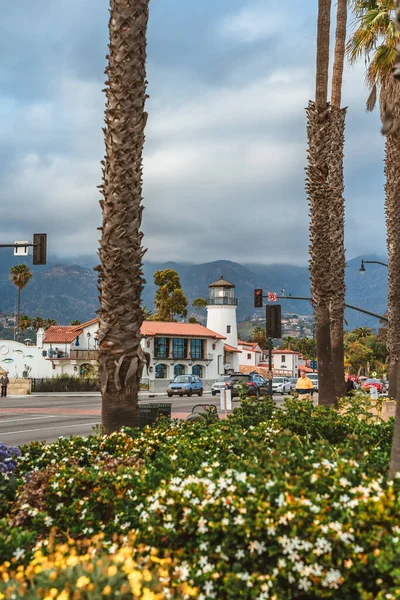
40,334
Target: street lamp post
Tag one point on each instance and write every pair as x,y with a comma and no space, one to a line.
370,262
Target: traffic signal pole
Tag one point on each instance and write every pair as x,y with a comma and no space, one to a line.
270,366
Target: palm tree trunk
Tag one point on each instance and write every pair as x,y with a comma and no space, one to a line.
336,180
18,314
337,250
323,34
319,149
393,243
120,273
340,50
318,130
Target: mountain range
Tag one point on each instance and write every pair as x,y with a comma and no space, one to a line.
63,290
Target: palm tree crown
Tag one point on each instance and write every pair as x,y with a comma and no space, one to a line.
375,38
20,275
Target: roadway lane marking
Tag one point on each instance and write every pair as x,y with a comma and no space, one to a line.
44,428
5,421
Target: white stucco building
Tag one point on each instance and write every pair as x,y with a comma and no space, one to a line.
286,362
21,361
251,354
174,348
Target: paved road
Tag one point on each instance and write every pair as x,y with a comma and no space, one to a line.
28,418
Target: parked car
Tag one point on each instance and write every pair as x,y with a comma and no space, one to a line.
281,385
257,385
219,384
185,384
293,381
373,383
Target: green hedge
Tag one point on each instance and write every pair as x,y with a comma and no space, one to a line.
270,503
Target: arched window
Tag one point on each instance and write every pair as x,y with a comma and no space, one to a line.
179,370
197,370
161,371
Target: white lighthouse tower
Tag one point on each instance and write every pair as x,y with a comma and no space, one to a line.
221,318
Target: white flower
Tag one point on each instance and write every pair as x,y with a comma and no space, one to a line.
332,579
19,553
281,501
202,526
238,520
48,521
304,584
240,554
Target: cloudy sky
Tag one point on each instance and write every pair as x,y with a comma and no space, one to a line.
225,151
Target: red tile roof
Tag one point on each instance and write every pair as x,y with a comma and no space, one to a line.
87,324
228,348
67,334
179,329
61,334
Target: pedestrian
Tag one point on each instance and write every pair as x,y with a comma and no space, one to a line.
349,385
304,387
4,381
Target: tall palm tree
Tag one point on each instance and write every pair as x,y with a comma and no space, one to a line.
318,188
120,273
20,276
336,181
375,38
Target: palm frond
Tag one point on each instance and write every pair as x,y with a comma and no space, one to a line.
371,102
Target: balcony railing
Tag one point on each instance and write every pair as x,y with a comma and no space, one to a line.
84,354
221,301
193,357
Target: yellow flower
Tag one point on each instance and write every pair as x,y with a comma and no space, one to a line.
148,595
53,593
82,581
135,580
111,571
63,596
107,590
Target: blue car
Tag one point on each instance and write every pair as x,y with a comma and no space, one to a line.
185,384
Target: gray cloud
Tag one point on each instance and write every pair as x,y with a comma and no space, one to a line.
226,141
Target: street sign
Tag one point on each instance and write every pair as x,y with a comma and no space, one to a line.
313,364
21,250
272,297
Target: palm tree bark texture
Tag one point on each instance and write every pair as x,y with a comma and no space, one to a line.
392,207
392,170
121,280
337,216
318,188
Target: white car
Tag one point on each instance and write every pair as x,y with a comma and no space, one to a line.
219,385
281,385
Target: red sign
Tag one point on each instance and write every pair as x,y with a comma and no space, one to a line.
272,297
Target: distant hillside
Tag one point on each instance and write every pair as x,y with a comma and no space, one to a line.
65,292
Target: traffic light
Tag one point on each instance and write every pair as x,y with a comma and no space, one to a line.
39,248
274,323
258,298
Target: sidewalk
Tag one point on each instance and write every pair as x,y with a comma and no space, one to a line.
142,395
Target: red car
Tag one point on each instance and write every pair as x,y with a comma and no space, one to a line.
369,383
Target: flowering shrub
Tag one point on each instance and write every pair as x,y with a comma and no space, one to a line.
8,458
85,570
8,464
270,503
